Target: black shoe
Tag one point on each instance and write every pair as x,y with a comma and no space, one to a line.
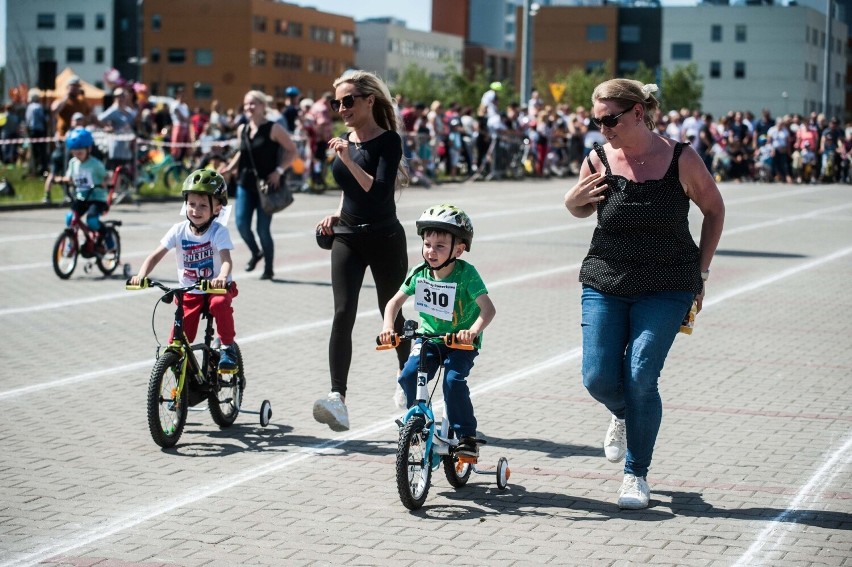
468,447
267,275
252,264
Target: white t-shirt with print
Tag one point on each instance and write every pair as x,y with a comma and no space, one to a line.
197,256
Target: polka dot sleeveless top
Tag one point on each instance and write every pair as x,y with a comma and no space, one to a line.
642,241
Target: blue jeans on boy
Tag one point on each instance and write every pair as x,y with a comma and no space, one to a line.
247,203
457,365
625,343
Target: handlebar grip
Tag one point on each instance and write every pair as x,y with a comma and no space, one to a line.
451,341
207,287
393,344
144,284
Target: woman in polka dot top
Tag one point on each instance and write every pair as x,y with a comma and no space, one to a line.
643,269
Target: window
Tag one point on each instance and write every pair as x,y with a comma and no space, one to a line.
259,23
100,21
630,34
46,21
347,38
628,67
155,55
814,73
740,33
74,21
177,56
325,35
739,69
595,32
45,54
156,22
592,66
74,55
202,91
715,69
99,55
257,57
682,51
204,57
716,33
173,88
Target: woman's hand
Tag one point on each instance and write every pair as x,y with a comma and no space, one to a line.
699,298
588,191
341,149
325,225
274,179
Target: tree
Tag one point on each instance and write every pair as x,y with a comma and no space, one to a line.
681,87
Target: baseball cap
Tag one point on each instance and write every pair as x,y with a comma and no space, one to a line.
74,80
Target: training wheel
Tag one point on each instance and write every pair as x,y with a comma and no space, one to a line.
265,413
503,473
126,271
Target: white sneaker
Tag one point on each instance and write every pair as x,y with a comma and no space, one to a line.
332,411
615,442
634,493
399,399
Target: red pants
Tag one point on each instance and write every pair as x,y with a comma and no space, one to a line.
220,308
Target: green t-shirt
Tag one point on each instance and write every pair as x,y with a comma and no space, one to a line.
85,175
466,284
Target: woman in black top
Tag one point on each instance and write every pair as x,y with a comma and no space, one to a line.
261,145
368,167
643,269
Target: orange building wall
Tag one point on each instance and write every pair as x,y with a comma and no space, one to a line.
227,27
451,16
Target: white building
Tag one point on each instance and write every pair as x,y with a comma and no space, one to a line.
387,47
754,57
74,33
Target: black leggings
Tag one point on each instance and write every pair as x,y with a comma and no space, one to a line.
385,253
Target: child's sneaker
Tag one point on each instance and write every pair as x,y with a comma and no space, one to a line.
227,360
332,411
468,449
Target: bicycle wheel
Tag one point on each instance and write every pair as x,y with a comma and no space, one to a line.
65,252
174,176
457,473
227,395
111,259
166,412
413,469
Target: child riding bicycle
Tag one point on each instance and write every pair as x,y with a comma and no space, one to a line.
86,174
203,251
451,298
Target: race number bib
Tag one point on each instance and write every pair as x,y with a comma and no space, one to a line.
83,180
435,298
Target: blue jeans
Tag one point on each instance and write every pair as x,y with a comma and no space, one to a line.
248,202
457,365
625,344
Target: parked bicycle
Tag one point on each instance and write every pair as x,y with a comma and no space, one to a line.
154,162
101,247
423,444
179,380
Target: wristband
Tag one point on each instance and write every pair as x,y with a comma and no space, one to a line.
280,170
705,275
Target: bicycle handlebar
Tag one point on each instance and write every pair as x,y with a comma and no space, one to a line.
203,285
449,339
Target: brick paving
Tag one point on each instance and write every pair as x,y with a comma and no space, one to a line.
752,465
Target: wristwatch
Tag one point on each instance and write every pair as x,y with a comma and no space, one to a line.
705,275
280,170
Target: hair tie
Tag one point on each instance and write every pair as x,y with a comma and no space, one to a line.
648,89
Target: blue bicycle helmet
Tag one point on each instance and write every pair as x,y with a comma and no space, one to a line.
79,139
292,91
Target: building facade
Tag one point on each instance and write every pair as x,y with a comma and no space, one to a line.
73,33
387,47
220,49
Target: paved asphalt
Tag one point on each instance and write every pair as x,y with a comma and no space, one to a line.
753,465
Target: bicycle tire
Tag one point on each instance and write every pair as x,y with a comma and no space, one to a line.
166,415
227,395
174,176
457,473
413,465
65,254
109,261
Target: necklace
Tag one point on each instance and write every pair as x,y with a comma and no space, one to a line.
637,161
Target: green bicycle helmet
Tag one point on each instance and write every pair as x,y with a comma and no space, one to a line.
448,218
206,182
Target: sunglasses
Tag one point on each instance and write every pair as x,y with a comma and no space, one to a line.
610,120
345,102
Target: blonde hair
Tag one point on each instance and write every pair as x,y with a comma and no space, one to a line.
630,92
261,97
385,112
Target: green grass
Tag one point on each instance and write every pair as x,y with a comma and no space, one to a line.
29,190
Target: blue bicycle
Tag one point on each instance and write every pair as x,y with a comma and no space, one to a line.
424,444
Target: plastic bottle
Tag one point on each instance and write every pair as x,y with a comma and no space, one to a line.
688,322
